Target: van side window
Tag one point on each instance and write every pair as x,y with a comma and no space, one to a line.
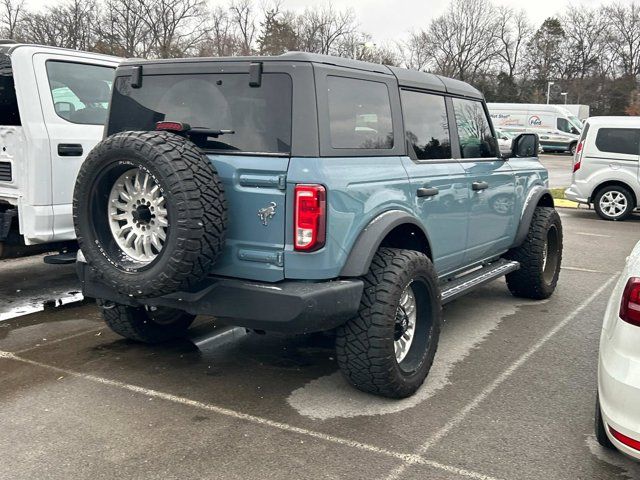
426,125
619,140
476,139
9,114
359,114
80,92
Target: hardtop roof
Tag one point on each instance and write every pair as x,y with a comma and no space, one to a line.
8,48
406,78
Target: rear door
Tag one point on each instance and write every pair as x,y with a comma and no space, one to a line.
438,182
251,154
490,182
74,95
616,149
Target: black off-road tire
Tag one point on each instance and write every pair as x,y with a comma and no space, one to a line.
195,202
536,278
600,429
614,188
147,326
365,344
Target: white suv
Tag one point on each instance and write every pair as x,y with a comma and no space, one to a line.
53,105
606,167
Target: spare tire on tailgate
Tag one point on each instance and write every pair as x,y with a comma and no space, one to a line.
149,212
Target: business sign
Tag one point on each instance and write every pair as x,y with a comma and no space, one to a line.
535,121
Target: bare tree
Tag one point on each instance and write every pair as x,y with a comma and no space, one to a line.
122,29
321,30
244,16
624,37
415,52
463,39
513,33
175,27
11,17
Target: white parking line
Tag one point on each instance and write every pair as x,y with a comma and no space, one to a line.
58,340
406,458
462,415
587,234
579,269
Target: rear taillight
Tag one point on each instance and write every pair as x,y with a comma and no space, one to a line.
577,161
630,303
628,441
310,217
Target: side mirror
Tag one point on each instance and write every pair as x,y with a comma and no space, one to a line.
524,145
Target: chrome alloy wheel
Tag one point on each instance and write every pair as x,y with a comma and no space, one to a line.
613,203
137,215
405,327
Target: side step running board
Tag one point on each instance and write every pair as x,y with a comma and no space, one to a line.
462,285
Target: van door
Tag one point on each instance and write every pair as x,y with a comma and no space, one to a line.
490,183
616,150
74,95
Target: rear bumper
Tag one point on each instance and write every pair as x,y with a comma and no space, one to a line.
288,306
573,193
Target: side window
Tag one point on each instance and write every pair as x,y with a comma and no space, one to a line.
9,114
359,114
476,139
563,125
619,140
426,125
80,92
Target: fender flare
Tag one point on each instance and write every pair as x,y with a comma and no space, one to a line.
367,243
530,204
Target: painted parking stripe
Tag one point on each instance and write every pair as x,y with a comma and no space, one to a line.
579,269
462,414
406,458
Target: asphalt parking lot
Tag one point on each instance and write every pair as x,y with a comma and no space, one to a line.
560,167
510,394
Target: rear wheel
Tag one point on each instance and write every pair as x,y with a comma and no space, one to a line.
389,346
572,148
145,324
540,257
614,203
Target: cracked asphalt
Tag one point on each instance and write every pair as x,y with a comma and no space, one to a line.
510,395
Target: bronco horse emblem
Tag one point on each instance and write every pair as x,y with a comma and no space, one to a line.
267,213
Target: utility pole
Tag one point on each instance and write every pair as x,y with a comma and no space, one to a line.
549,91
564,94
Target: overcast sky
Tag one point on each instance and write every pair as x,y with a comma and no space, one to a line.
389,20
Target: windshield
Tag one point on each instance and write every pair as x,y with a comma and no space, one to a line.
253,119
575,121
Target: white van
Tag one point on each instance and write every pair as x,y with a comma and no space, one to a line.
606,167
53,105
556,127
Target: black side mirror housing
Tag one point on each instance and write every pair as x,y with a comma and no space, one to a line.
525,145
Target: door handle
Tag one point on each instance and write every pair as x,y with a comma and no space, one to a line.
70,149
427,192
478,186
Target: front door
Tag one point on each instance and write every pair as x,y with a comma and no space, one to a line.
75,95
490,183
438,183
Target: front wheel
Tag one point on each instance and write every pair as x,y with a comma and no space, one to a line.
540,257
147,325
614,203
573,148
388,347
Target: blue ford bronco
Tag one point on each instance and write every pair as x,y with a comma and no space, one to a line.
304,193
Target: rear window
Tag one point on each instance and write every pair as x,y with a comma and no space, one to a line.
254,119
9,114
619,140
359,114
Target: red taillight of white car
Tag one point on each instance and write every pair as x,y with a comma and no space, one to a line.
310,217
630,303
628,441
577,161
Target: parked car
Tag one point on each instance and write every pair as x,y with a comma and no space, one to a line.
53,105
617,419
505,139
557,128
303,193
606,170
